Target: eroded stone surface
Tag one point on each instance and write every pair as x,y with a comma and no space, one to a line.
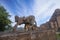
31,35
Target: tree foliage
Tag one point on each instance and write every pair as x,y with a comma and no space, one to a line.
4,18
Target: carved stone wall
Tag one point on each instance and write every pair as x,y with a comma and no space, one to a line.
58,20
31,35
54,22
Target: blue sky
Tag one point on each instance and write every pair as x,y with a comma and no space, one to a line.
41,9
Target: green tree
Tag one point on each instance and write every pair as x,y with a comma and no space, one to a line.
4,18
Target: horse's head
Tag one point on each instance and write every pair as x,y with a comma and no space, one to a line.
16,18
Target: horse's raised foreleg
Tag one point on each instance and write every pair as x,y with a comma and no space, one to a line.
14,29
26,27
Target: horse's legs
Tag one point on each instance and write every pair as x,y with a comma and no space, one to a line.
26,27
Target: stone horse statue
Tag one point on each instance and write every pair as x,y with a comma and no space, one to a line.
28,21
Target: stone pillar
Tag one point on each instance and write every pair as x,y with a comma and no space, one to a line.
58,20
52,26
56,26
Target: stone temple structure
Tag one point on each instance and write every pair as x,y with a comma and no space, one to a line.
46,31
53,23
